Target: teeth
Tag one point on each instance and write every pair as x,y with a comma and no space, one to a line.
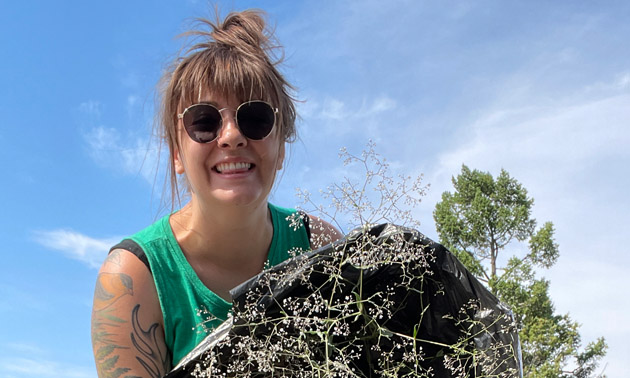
226,167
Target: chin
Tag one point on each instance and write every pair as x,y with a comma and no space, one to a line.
241,199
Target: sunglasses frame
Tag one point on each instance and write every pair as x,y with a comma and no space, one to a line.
274,111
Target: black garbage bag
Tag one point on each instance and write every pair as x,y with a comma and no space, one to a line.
384,302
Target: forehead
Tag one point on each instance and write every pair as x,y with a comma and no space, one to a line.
217,98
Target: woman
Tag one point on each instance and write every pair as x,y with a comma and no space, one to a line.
226,115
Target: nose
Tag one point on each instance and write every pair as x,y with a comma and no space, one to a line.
230,135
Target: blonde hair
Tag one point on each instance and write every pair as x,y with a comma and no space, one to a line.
234,57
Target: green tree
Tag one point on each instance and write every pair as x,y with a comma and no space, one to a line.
476,222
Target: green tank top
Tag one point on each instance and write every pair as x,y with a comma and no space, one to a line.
191,310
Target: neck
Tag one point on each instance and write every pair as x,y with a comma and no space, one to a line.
225,236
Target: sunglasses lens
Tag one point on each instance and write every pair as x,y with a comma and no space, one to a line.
255,119
202,123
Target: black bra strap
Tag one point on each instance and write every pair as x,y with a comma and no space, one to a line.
134,248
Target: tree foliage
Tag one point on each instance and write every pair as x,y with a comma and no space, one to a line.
477,221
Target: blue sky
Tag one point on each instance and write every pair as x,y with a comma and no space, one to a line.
541,89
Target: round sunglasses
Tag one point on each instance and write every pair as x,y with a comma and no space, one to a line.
203,121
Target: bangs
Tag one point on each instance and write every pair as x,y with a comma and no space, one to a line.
226,73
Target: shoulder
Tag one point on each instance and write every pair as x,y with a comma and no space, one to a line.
322,232
123,278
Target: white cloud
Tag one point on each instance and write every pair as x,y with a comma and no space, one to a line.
623,81
543,147
335,109
132,102
24,348
331,117
307,109
76,245
101,139
570,157
91,108
588,304
125,154
22,360
20,367
381,104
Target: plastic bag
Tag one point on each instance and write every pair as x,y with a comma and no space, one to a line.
384,301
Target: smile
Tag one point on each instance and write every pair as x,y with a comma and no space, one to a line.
232,167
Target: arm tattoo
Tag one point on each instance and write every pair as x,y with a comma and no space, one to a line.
110,287
154,359
114,257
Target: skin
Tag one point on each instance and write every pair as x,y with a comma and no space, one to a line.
224,207
127,332
127,323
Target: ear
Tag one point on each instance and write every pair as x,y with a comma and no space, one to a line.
280,159
178,162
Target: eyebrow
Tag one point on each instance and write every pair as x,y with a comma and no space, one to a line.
213,103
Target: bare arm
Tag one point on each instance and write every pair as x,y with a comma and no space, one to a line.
127,325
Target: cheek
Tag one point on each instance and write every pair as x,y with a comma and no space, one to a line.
190,154
274,154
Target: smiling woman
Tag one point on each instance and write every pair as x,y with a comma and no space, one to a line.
226,116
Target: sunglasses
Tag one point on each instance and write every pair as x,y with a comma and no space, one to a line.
255,120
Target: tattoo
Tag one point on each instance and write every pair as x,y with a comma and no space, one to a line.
114,257
106,331
154,359
110,287
106,328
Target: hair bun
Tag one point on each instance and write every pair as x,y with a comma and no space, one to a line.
244,28
244,31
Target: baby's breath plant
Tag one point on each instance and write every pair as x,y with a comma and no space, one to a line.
383,302
369,193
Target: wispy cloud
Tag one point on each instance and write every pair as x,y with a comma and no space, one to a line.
76,245
329,123
128,155
23,348
21,367
568,152
22,360
91,108
330,117
623,81
563,137
332,108
553,151
132,102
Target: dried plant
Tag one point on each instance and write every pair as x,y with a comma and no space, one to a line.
374,195
383,302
